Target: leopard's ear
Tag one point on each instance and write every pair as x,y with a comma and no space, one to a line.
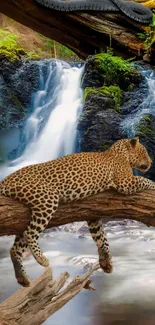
134,141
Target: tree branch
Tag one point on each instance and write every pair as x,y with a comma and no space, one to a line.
84,33
33,305
14,216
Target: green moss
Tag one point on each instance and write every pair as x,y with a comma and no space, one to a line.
33,56
113,91
145,127
147,118
117,95
130,87
114,68
10,47
106,146
148,36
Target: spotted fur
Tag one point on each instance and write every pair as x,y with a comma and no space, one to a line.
43,186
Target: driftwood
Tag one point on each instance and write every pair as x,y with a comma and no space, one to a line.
14,216
33,305
84,33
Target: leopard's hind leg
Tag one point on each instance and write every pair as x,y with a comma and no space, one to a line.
97,232
43,202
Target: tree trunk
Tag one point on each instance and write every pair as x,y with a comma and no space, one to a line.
33,305
14,216
84,33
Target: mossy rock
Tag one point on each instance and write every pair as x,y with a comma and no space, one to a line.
106,80
115,70
113,91
146,131
145,127
104,69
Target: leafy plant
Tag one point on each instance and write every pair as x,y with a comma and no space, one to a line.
148,36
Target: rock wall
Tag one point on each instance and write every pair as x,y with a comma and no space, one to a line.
18,80
113,89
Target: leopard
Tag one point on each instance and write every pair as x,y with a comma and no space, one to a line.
43,186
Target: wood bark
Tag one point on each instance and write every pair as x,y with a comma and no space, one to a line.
84,33
14,216
33,305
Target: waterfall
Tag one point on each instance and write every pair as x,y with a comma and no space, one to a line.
50,130
147,106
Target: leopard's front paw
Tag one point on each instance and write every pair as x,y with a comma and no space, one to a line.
23,280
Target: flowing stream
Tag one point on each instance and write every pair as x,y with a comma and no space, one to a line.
127,295
147,105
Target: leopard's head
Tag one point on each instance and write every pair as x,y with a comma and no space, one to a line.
138,155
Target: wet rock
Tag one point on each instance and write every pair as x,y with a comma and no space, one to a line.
106,80
18,80
102,130
146,131
106,69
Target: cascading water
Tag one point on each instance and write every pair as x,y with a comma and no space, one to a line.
132,120
50,130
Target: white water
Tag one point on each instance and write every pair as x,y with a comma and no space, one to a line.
50,130
132,120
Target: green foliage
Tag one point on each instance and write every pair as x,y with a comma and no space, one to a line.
113,91
33,56
153,20
145,127
61,50
117,94
113,68
130,87
48,44
7,39
9,45
148,36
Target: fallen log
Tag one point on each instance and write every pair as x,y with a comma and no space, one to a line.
84,33
14,216
33,305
